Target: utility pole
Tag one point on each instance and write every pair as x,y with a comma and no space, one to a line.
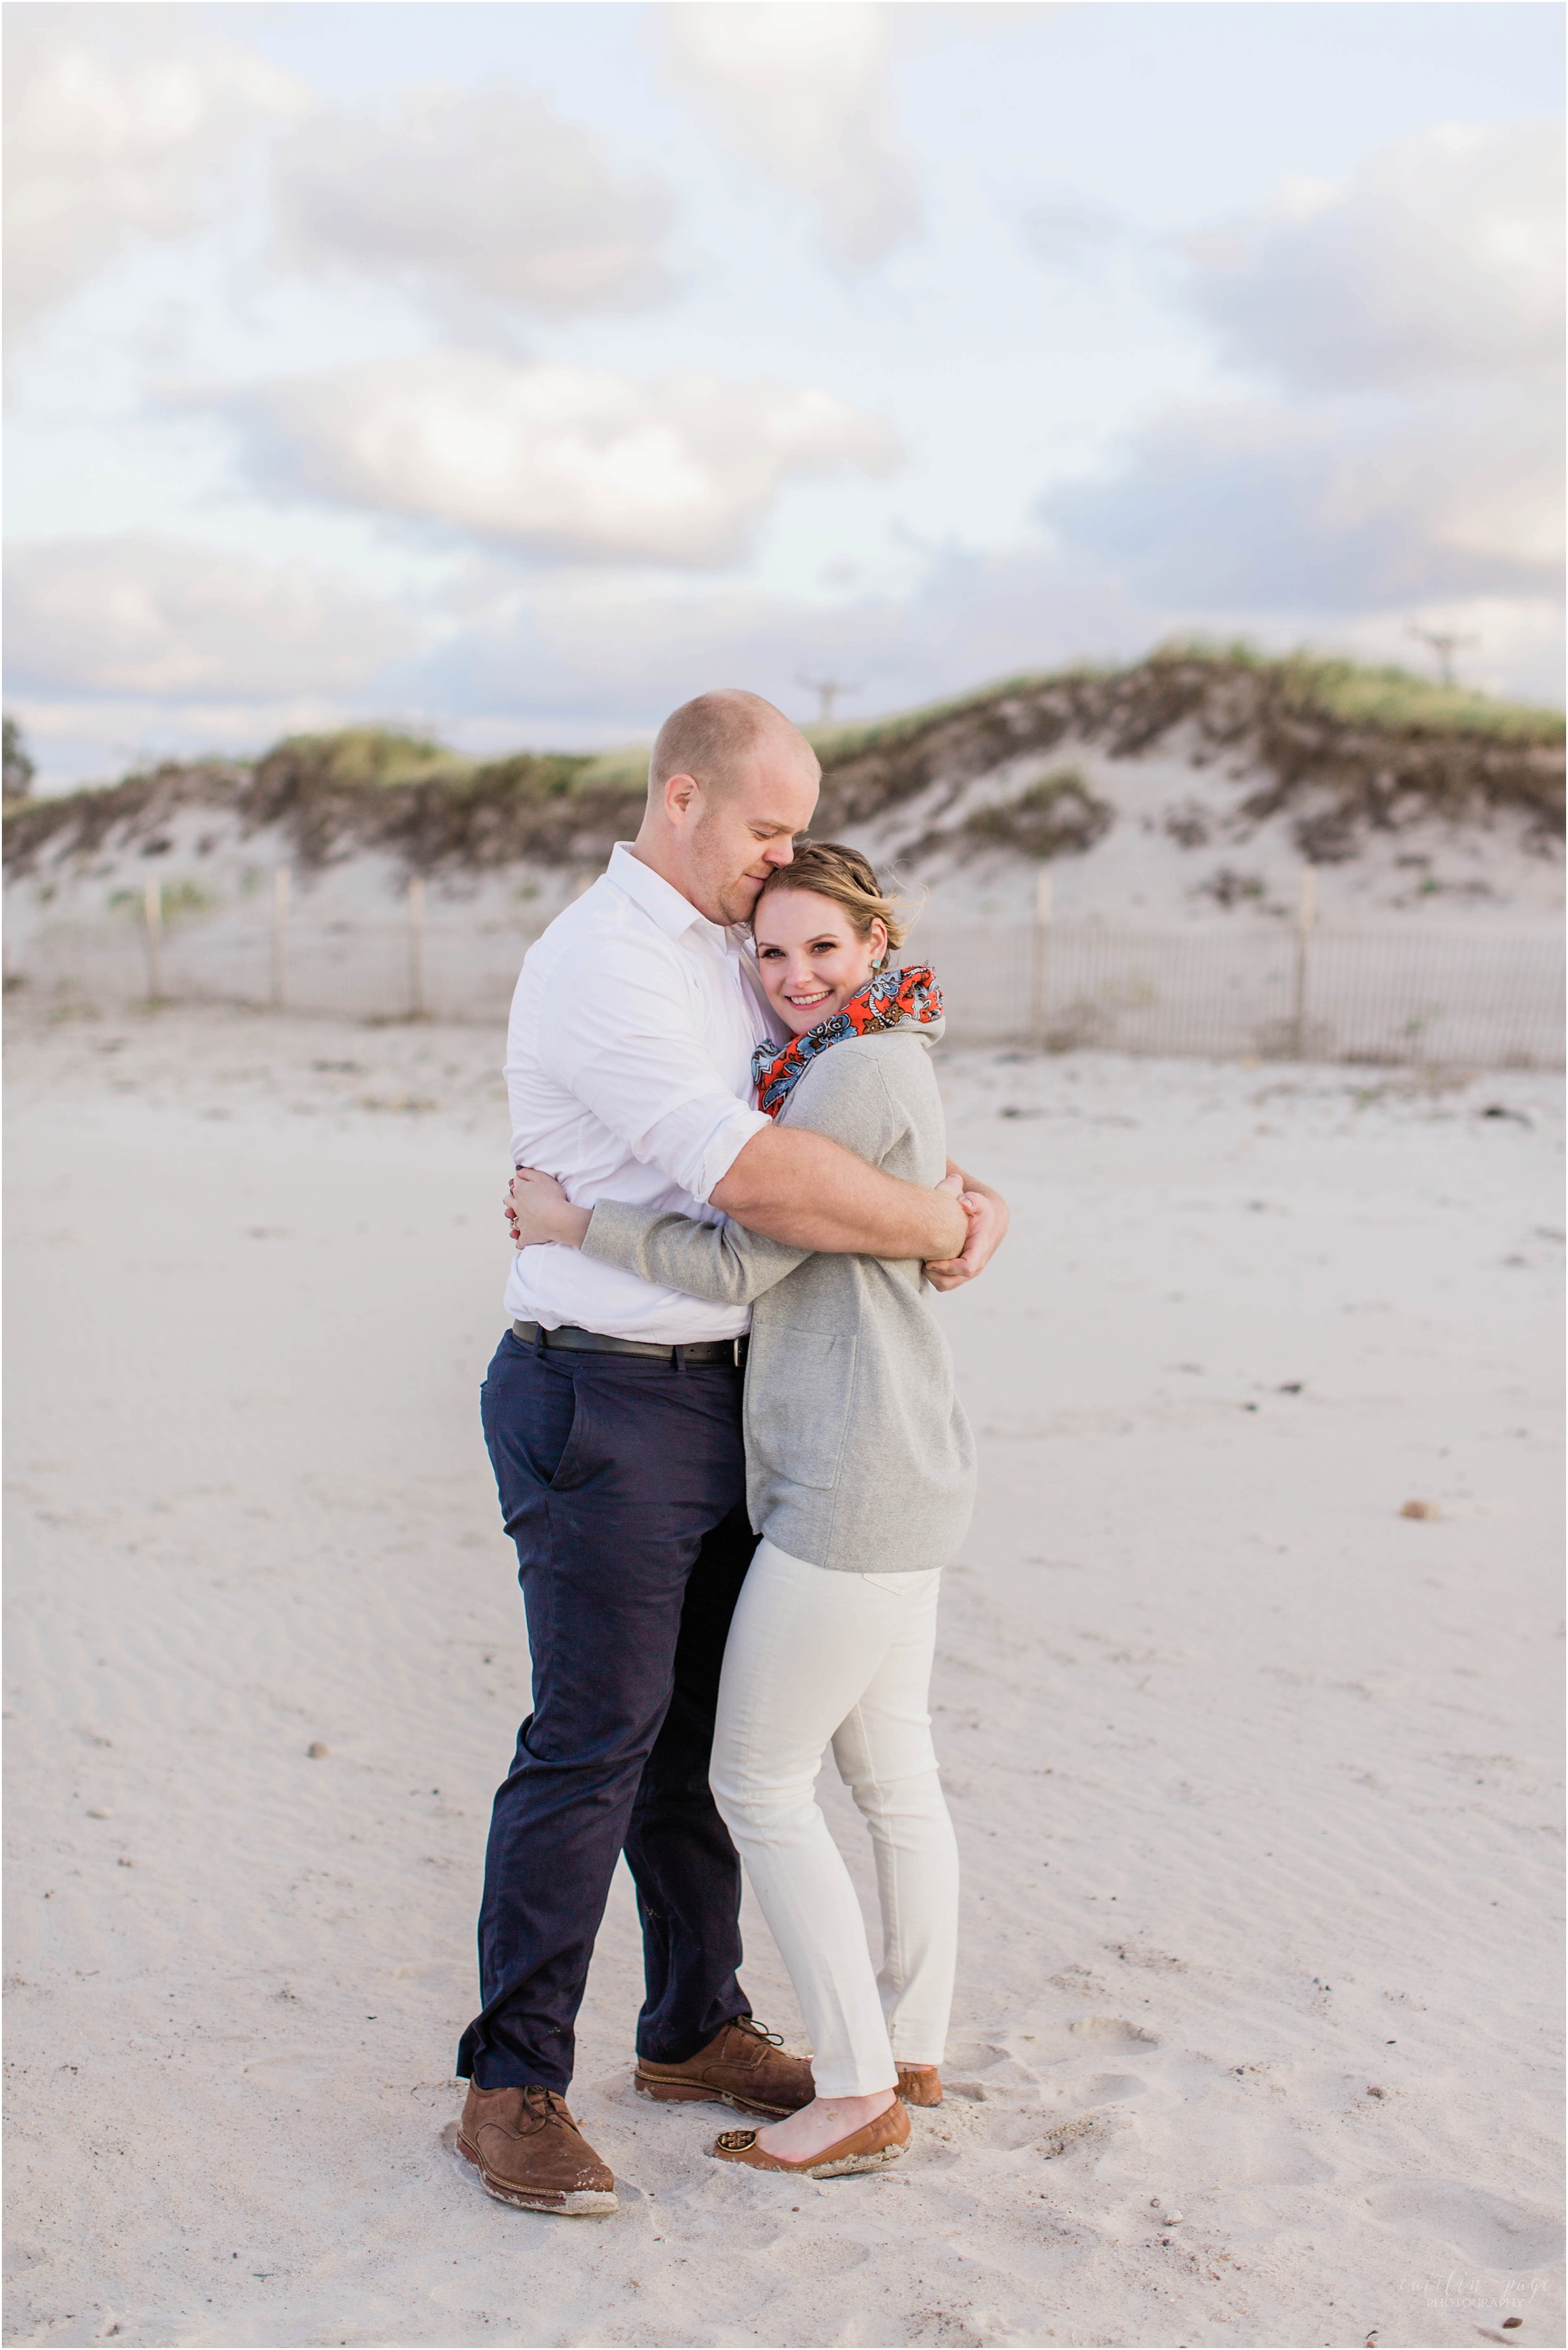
1444,644
828,691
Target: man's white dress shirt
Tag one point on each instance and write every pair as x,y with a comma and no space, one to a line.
629,1069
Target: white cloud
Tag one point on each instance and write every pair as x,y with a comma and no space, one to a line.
138,614
1342,507
584,646
1442,257
117,121
800,88
1411,454
488,190
564,459
1074,234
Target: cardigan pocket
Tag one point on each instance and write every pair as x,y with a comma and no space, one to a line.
805,1383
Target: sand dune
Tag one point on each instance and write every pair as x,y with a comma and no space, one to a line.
1253,1776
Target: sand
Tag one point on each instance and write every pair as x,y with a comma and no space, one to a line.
1254,1776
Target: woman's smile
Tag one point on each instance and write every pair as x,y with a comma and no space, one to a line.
809,956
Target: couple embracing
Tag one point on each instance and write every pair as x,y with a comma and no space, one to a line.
728,1451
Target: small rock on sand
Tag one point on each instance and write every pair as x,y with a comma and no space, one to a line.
1420,1510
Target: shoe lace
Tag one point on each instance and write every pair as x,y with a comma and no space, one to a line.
545,2102
758,2030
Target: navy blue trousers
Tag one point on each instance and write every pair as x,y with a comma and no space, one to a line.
622,1482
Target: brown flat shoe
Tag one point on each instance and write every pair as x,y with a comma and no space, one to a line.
744,2067
529,2151
880,2142
920,2085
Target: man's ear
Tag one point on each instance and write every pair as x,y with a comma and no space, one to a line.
679,794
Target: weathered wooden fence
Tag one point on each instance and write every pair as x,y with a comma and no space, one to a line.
1297,991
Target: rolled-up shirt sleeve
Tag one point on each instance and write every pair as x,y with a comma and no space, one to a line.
632,1052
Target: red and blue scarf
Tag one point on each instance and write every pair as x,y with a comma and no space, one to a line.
885,1001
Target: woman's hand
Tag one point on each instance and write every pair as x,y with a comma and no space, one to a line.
538,1211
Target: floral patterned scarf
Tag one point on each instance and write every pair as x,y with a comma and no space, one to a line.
888,1000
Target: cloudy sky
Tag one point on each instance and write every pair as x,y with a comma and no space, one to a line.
516,370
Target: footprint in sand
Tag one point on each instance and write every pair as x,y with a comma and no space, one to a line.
1108,2089
974,2055
978,2069
1486,2228
1078,2134
1113,2028
293,2067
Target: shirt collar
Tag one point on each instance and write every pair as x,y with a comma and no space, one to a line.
674,914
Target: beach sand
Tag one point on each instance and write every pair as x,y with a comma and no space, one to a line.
1254,1776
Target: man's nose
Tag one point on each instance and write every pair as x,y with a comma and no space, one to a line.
780,852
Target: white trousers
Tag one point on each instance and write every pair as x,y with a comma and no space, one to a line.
814,1655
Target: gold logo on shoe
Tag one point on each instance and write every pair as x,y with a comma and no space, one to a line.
737,2141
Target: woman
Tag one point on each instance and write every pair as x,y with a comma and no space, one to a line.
860,1479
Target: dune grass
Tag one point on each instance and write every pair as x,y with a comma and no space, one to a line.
1315,684
373,758
1375,732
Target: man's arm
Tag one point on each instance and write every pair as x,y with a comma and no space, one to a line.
621,1033
797,1187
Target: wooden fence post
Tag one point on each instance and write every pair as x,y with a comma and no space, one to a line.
152,915
1306,913
416,948
1037,1021
279,936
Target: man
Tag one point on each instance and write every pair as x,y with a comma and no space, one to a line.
612,1412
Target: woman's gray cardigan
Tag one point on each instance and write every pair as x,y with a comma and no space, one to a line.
858,1455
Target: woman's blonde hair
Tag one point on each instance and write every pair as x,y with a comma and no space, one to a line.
828,869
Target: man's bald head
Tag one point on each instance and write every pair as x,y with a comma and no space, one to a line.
729,784
715,739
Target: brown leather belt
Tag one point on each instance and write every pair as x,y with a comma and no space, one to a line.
571,1340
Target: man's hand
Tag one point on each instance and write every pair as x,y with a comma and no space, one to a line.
988,1221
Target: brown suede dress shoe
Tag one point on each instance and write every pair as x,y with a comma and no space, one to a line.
920,2085
880,2142
528,2150
744,2067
